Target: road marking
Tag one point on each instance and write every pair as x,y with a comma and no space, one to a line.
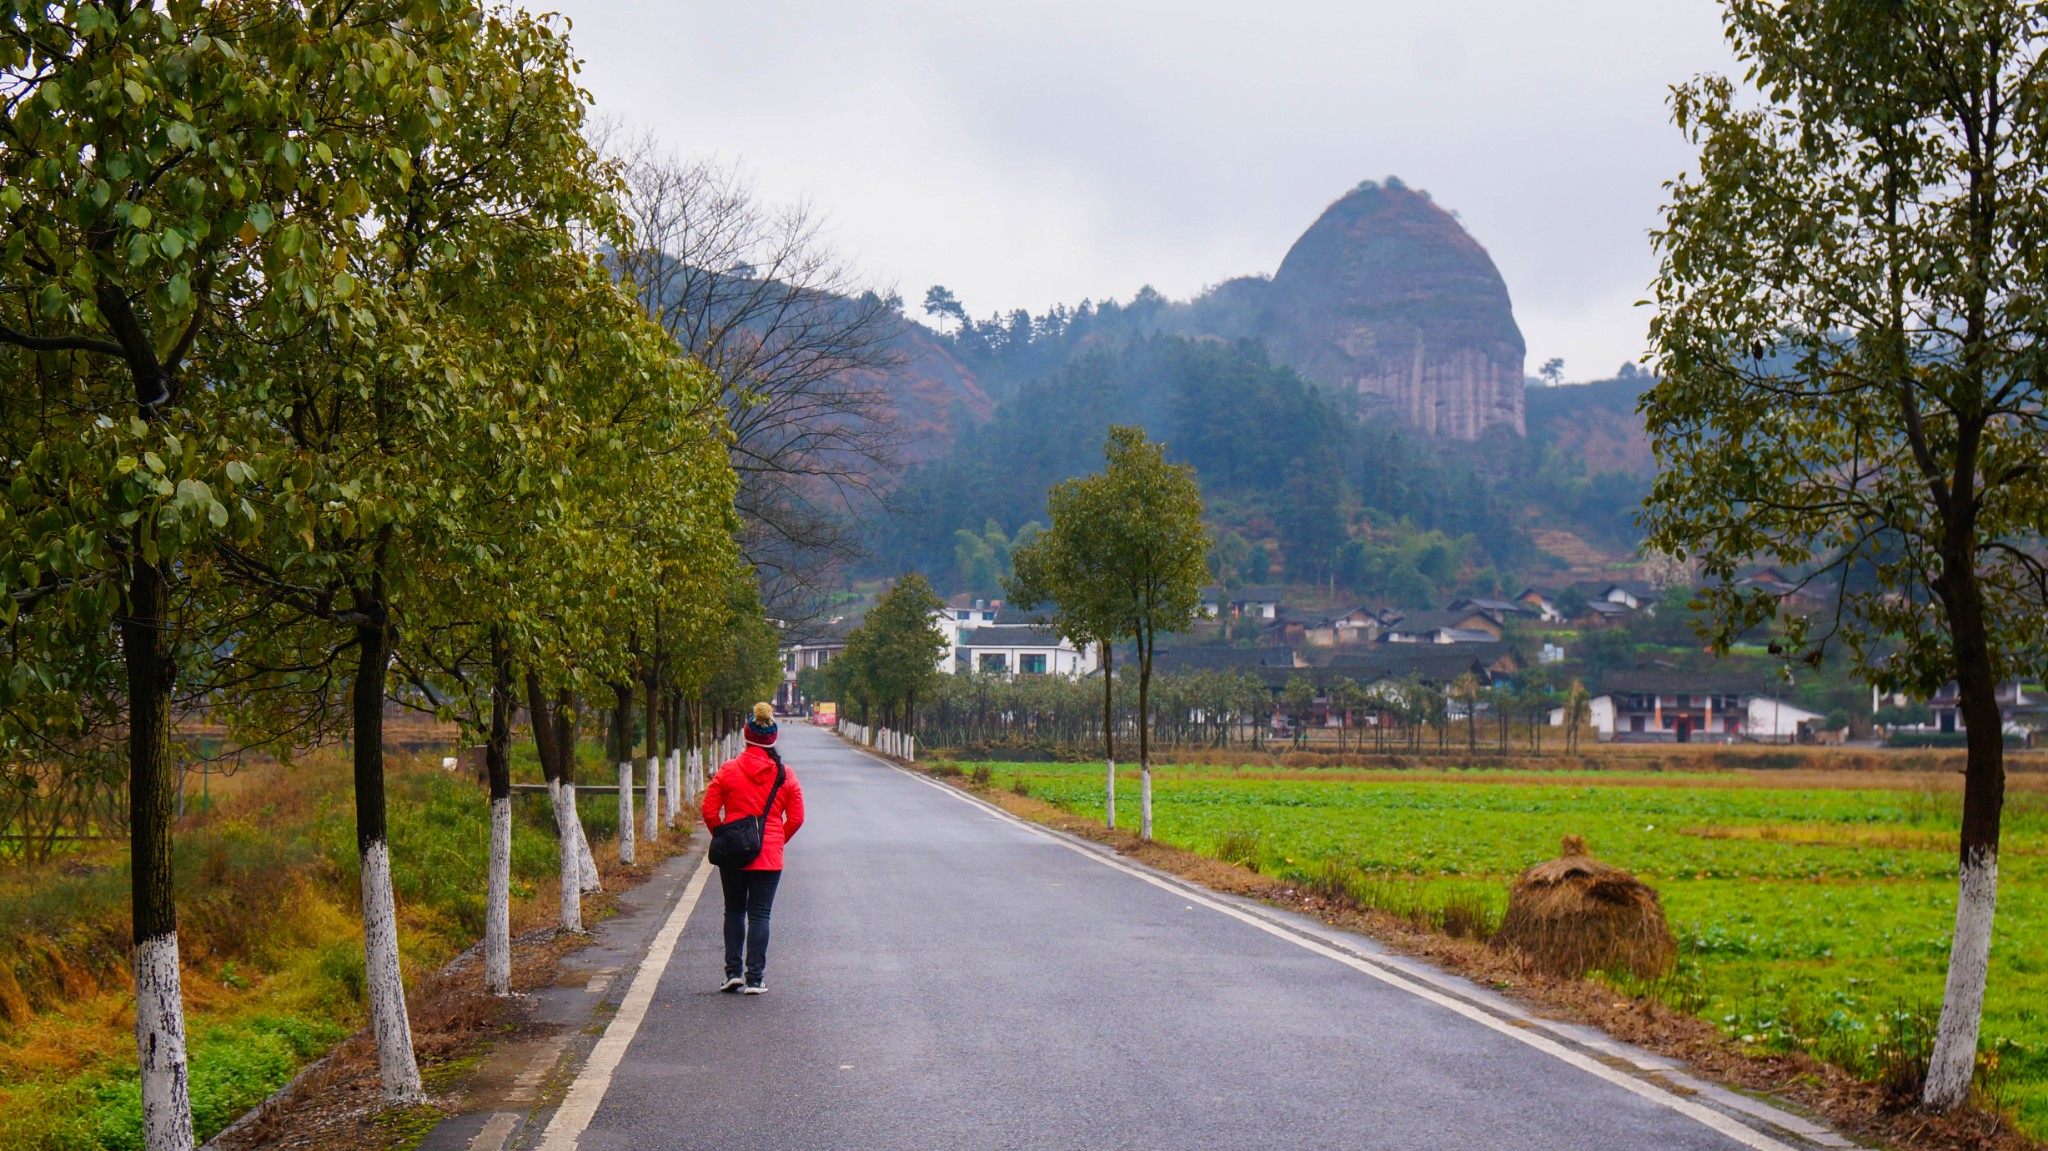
497,1129
1517,1030
580,1104
526,1088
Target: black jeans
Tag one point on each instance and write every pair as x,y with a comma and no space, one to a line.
749,897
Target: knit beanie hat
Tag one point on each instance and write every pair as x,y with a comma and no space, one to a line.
760,730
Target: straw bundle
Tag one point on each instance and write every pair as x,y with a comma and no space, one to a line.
1575,914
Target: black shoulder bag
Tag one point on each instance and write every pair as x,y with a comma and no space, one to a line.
737,842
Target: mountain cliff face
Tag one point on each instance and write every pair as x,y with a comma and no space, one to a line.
1386,298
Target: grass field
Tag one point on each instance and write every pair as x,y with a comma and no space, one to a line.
1813,909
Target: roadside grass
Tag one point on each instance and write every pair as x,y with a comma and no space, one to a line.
269,931
1812,918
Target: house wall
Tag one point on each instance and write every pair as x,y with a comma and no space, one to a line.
1058,660
1775,719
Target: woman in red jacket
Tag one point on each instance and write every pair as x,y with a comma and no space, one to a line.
741,788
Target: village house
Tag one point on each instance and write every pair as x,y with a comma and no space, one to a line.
1470,625
1543,602
2018,712
1692,707
1015,650
802,656
1502,610
1255,602
1629,594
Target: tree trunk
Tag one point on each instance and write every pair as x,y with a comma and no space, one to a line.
159,994
498,882
396,1068
1109,737
1144,746
547,745
622,754
566,708
1953,1063
653,797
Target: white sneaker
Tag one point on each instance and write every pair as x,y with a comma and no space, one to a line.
760,988
733,984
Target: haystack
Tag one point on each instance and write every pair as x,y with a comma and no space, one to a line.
1576,914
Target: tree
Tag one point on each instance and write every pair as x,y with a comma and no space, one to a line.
1062,572
145,160
1552,372
1572,604
1300,694
754,294
370,429
1577,710
1125,557
1847,348
900,646
941,304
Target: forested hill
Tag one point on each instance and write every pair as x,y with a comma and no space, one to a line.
1297,488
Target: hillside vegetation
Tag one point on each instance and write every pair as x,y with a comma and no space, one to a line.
1298,487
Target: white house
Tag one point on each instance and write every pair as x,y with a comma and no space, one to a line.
798,658
1018,651
1683,708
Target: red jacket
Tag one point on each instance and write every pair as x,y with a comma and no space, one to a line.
739,789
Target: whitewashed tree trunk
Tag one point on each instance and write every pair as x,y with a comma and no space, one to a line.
568,837
653,816
1145,799
160,1040
1109,797
626,811
593,880
397,1070
498,903
673,782
910,748
1954,1061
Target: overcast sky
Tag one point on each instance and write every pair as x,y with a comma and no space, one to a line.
1038,153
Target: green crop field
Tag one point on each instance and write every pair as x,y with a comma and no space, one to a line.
1815,917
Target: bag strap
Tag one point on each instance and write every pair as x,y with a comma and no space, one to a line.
770,805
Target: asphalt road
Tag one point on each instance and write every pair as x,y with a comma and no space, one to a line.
940,977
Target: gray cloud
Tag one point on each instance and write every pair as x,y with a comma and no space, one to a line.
1031,154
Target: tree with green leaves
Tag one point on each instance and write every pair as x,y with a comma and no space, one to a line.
1055,574
146,161
1125,558
893,657
1300,694
370,429
1848,345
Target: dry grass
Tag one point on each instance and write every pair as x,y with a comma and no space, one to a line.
336,1105
1574,914
1860,1110
1768,766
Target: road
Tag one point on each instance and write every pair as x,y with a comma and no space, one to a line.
942,976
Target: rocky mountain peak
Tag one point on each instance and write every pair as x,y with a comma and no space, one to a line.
1388,299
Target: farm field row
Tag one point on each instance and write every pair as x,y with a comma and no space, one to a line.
1810,916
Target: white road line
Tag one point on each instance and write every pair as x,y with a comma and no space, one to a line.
580,1104
1707,1116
